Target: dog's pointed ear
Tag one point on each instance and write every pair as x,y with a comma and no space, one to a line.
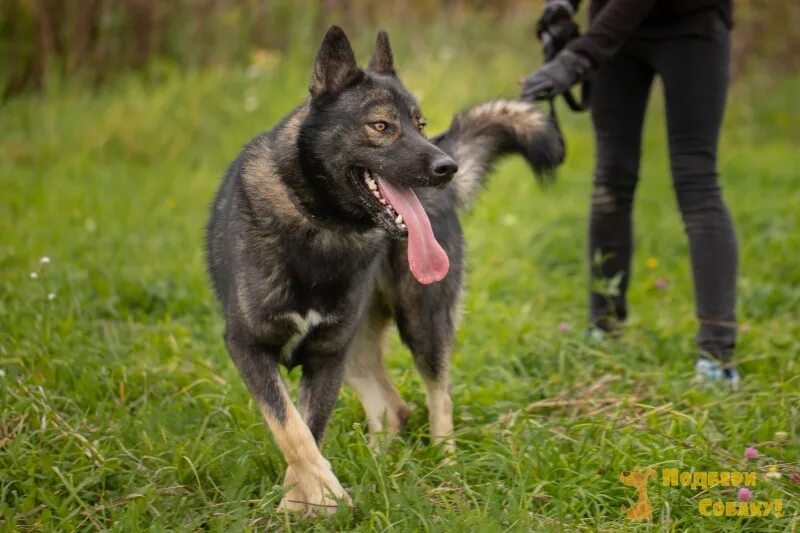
335,65
382,60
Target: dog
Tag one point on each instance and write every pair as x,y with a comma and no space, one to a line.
340,219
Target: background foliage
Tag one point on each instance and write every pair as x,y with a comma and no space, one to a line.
92,40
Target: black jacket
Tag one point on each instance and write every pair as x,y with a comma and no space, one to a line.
615,21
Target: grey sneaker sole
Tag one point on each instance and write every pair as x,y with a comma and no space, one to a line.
712,371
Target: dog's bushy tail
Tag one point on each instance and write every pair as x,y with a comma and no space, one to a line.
478,136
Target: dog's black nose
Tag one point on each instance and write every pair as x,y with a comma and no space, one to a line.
444,167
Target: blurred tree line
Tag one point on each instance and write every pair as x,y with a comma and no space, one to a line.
91,40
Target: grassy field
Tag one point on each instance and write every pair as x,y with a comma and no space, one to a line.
120,408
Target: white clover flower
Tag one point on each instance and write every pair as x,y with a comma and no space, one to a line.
34,275
51,296
44,260
2,373
772,473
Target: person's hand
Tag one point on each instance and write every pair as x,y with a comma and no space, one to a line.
555,12
557,36
556,77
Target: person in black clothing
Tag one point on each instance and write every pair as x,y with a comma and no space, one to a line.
629,42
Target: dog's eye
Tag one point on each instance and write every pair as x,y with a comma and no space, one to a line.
421,123
379,125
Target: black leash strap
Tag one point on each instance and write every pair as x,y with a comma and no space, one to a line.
552,44
585,101
557,127
574,105
578,106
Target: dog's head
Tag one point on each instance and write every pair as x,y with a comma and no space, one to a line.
363,140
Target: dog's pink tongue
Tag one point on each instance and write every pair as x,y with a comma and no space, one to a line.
426,258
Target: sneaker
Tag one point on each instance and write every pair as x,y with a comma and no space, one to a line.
595,335
603,330
710,370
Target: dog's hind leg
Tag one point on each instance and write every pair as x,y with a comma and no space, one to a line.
367,376
312,486
427,316
433,362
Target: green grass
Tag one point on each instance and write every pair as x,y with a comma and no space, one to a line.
121,410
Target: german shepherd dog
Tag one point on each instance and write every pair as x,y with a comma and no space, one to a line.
336,221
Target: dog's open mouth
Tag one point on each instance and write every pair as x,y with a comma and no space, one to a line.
387,215
400,213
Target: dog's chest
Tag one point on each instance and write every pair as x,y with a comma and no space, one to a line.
301,325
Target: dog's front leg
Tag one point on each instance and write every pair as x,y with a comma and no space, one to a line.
319,389
312,486
323,368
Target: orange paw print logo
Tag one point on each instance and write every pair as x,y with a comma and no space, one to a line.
641,510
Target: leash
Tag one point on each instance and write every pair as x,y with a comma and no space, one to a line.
551,48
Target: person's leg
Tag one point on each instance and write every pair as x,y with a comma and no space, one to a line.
695,76
619,99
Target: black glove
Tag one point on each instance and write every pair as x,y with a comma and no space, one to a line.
556,27
555,11
556,37
556,77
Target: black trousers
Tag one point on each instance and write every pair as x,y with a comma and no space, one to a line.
694,71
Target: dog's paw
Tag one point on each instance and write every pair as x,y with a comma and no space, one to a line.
450,460
313,489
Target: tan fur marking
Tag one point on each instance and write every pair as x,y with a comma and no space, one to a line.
261,177
440,411
389,115
367,376
420,123
292,126
525,117
312,486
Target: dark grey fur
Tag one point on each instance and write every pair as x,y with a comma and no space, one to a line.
290,236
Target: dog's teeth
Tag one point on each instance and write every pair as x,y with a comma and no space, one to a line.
372,185
376,194
380,198
366,174
403,226
399,219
